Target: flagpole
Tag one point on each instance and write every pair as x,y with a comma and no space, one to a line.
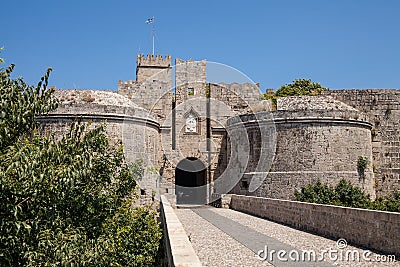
151,21
152,31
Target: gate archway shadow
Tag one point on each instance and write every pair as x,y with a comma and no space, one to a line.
190,178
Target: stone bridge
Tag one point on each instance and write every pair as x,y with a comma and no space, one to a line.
254,231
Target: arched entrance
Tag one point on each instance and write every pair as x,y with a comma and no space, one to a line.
190,178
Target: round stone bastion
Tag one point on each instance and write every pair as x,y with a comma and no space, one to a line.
136,127
309,144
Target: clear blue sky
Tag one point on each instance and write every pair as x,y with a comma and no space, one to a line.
93,44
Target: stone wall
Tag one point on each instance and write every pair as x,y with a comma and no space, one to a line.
154,93
311,103
309,145
231,100
383,110
127,88
152,89
155,96
372,229
239,96
189,74
148,67
135,127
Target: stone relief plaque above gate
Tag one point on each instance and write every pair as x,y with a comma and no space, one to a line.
191,125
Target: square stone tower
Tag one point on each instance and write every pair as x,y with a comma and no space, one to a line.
190,79
190,107
157,68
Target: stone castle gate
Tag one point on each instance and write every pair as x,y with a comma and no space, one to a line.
192,133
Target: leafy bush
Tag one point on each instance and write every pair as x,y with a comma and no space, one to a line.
66,202
388,203
317,193
352,196
346,194
300,87
297,88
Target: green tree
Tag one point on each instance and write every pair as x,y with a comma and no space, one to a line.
300,87
297,88
66,202
20,103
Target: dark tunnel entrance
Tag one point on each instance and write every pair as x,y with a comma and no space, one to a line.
190,178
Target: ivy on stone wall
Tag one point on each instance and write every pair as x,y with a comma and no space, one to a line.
362,163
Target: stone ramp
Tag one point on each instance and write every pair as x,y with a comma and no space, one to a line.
213,246
224,237
256,241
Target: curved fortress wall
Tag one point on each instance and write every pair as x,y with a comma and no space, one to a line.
135,127
383,110
310,145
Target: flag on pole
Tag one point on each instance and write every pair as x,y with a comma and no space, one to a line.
151,21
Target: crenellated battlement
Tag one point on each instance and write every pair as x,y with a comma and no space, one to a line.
153,61
147,67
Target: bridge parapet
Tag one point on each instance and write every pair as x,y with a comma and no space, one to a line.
178,249
376,230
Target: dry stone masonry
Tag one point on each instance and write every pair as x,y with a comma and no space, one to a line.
171,114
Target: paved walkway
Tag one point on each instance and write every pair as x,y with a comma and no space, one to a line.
224,237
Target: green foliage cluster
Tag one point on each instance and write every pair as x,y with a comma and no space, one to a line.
19,105
345,194
362,163
297,88
66,202
300,87
388,203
